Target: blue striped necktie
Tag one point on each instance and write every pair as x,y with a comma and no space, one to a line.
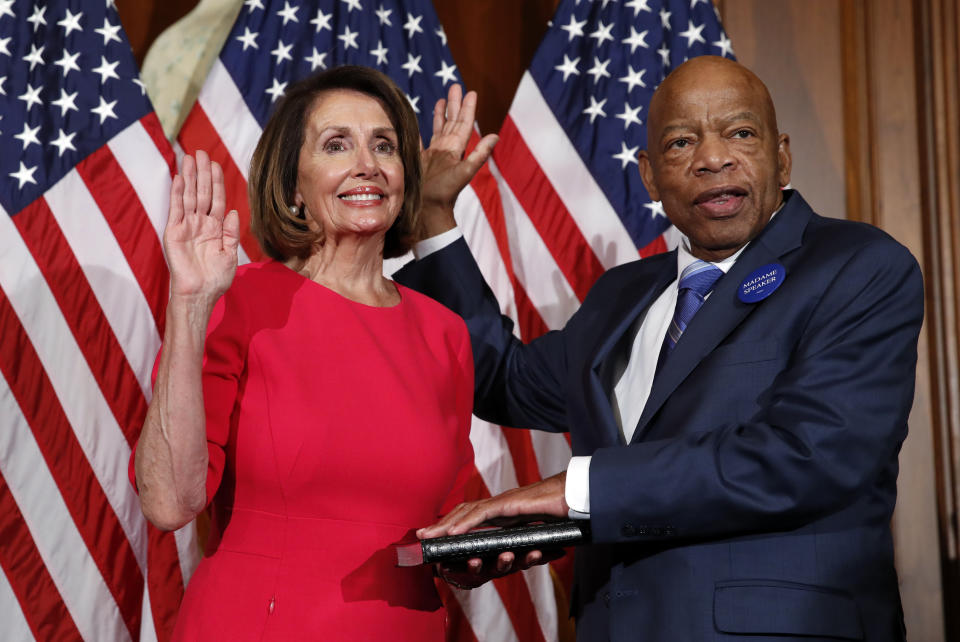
696,282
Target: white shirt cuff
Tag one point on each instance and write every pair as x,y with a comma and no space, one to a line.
426,247
577,488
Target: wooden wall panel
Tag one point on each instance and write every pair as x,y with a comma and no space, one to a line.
938,25
843,76
795,48
895,143
493,42
143,20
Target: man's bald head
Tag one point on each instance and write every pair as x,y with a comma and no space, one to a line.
677,86
714,156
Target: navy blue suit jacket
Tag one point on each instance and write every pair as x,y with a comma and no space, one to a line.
755,496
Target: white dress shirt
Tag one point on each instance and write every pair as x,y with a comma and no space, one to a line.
632,389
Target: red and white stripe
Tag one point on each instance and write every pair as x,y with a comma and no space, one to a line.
83,285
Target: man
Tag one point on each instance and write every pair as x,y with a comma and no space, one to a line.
738,464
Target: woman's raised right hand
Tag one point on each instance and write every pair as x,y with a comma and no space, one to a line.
200,241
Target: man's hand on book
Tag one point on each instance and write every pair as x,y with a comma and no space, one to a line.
528,503
541,500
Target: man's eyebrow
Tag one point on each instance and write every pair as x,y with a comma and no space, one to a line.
668,129
744,115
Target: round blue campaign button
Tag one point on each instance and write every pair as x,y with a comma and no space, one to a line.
761,283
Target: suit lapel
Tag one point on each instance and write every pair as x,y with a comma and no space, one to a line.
638,291
723,311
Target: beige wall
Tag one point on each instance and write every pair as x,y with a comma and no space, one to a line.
868,91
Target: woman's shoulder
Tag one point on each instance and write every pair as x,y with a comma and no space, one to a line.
257,286
257,272
257,280
423,305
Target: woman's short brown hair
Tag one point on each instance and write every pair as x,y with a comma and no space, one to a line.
273,170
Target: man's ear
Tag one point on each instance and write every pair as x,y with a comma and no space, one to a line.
784,160
646,174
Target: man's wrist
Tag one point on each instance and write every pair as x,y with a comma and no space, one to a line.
436,219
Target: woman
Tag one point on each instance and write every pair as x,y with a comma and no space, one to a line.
323,409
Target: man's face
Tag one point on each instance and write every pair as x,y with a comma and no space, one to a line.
714,157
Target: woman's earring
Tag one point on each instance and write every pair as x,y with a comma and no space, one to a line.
294,210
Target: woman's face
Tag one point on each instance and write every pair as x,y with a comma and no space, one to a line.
350,174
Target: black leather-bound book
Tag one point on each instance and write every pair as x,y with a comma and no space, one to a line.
493,541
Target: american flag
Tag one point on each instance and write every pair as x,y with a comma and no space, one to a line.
561,201
573,197
84,175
